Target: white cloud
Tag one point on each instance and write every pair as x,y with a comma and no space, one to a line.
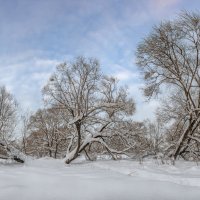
162,8
46,62
163,4
125,75
144,109
25,75
108,31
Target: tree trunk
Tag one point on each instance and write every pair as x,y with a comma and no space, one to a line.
76,150
182,139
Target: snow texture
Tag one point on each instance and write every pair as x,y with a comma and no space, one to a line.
49,179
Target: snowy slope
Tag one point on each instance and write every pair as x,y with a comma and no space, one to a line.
48,179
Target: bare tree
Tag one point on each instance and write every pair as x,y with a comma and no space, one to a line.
92,102
25,120
155,137
169,56
48,133
8,109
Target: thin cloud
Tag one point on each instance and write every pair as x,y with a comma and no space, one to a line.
163,8
43,33
163,4
25,77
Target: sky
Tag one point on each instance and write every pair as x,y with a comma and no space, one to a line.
37,35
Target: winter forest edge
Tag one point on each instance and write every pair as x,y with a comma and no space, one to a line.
89,113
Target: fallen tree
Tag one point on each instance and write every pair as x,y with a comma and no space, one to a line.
12,153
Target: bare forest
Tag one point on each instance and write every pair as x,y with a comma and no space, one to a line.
88,113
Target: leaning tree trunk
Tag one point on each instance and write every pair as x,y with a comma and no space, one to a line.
183,138
74,153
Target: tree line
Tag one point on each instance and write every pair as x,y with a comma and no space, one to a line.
87,112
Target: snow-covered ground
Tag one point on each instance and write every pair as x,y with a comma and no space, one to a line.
48,179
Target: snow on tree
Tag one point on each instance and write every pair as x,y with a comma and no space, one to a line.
169,57
8,109
93,104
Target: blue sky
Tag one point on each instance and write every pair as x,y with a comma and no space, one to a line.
36,35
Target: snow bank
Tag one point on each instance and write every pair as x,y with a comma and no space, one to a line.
181,174
49,179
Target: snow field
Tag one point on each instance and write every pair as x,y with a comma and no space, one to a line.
49,179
